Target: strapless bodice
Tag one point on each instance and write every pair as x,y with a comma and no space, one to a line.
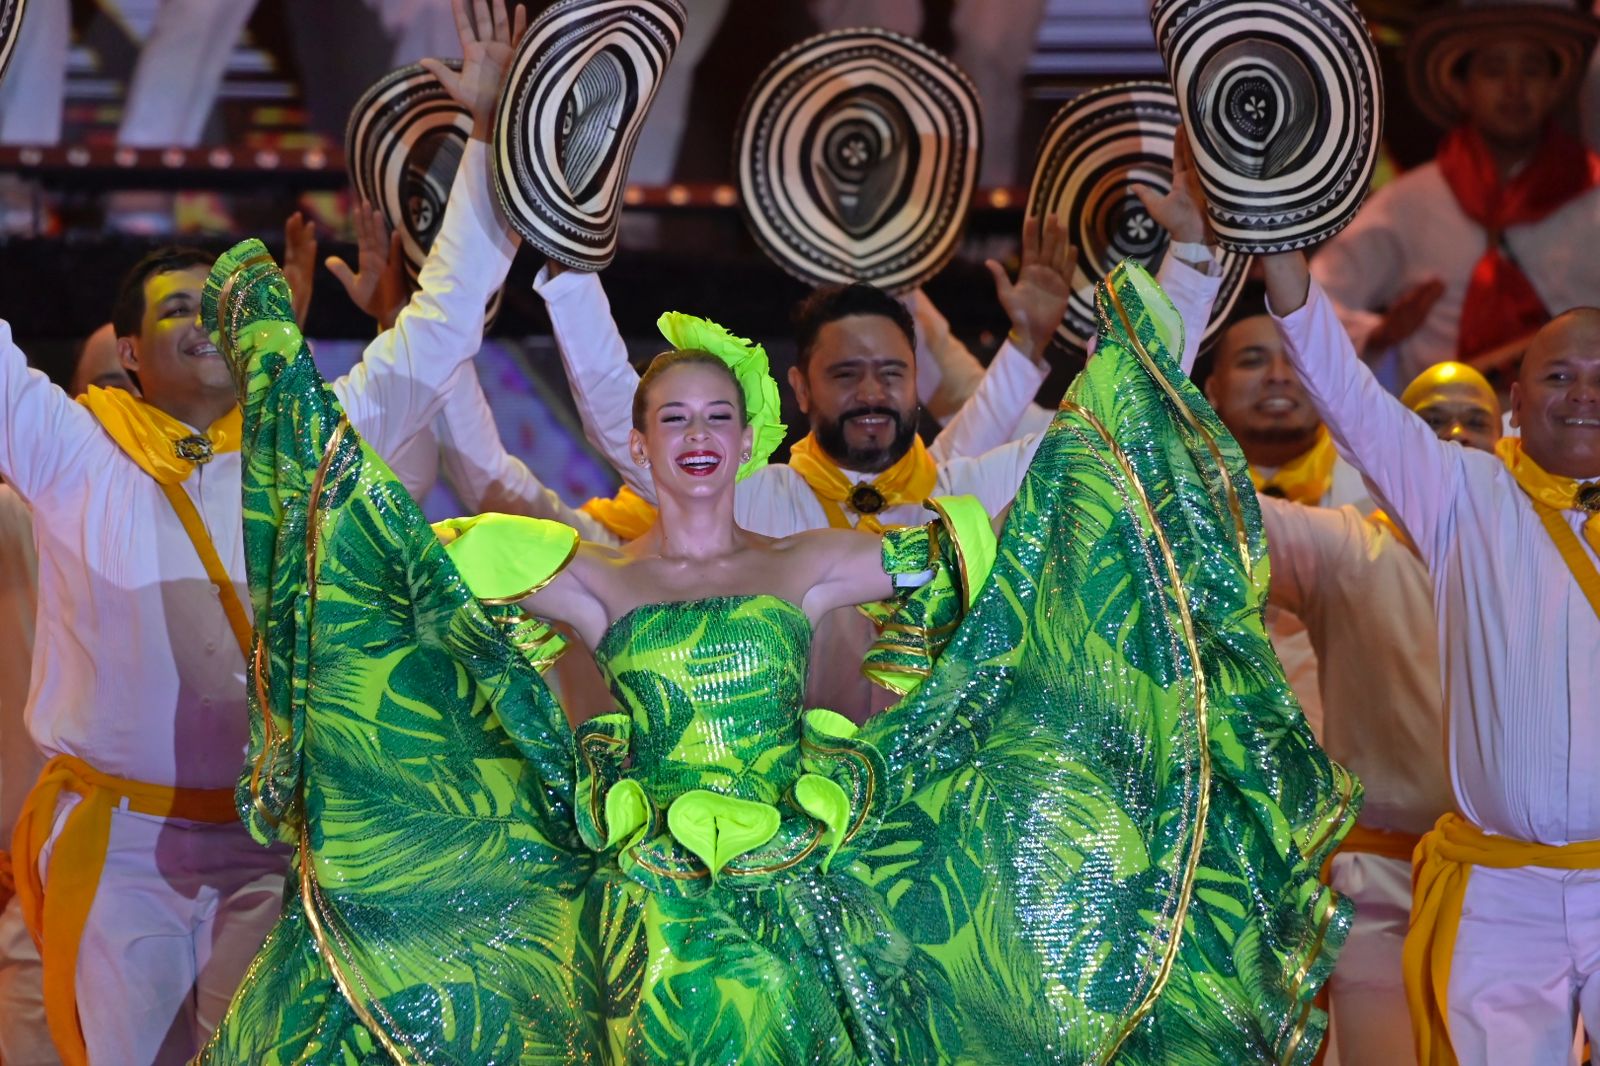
714,688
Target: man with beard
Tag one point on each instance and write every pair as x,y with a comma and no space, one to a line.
1255,392
863,465
1501,957
1367,604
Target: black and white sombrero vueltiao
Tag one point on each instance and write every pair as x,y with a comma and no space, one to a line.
856,159
575,100
403,145
1283,105
1096,149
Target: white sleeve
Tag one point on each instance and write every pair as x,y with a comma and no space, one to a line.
596,360
488,478
947,371
398,385
1415,474
1192,291
990,416
992,477
46,439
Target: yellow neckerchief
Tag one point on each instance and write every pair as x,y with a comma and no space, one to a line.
164,448
168,451
55,906
1551,494
1304,479
627,514
1440,870
910,480
1381,518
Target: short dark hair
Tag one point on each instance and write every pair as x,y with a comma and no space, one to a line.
127,314
681,357
833,302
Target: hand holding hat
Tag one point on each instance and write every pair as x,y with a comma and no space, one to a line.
488,39
1181,211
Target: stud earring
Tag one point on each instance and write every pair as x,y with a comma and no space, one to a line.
745,458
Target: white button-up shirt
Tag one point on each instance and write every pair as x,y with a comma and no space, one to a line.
135,667
1519,646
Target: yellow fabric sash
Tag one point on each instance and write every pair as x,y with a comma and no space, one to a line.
154,439
1304,479
627,514
910,480
157,442
56,907
1551,494
1440,869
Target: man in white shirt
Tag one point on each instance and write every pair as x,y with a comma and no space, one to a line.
139,680
24,1038
1367,605
1500,227
1504,948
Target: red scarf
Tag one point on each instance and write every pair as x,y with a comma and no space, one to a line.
1501,304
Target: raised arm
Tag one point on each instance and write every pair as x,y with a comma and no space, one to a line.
596,361
1035,303
1414,473
45,438
485,476
398,386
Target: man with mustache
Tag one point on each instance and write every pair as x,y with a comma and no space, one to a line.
1367,604
1500,959
147,895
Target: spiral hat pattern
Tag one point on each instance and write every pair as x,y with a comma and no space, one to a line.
1096,149
1283,103
857,156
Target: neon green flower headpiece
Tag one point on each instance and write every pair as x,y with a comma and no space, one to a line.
748,361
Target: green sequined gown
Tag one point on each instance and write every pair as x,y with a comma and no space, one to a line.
1090,831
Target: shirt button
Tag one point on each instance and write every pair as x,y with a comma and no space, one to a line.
216,591
211,646
205,701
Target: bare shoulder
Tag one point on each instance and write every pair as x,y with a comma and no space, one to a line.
827,543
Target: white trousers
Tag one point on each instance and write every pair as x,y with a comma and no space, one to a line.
1368,1019
1526,962
181,909
24,1038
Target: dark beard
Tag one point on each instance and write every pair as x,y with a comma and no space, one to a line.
830,435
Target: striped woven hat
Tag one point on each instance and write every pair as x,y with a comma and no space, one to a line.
578,91
1437,46
402,145
1095,151
1283,104
11,12
857,155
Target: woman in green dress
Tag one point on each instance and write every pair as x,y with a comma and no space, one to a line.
1089,831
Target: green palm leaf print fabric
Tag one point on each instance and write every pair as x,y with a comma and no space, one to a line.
1091,834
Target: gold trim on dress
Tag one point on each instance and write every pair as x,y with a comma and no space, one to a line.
1235,508
1202,727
